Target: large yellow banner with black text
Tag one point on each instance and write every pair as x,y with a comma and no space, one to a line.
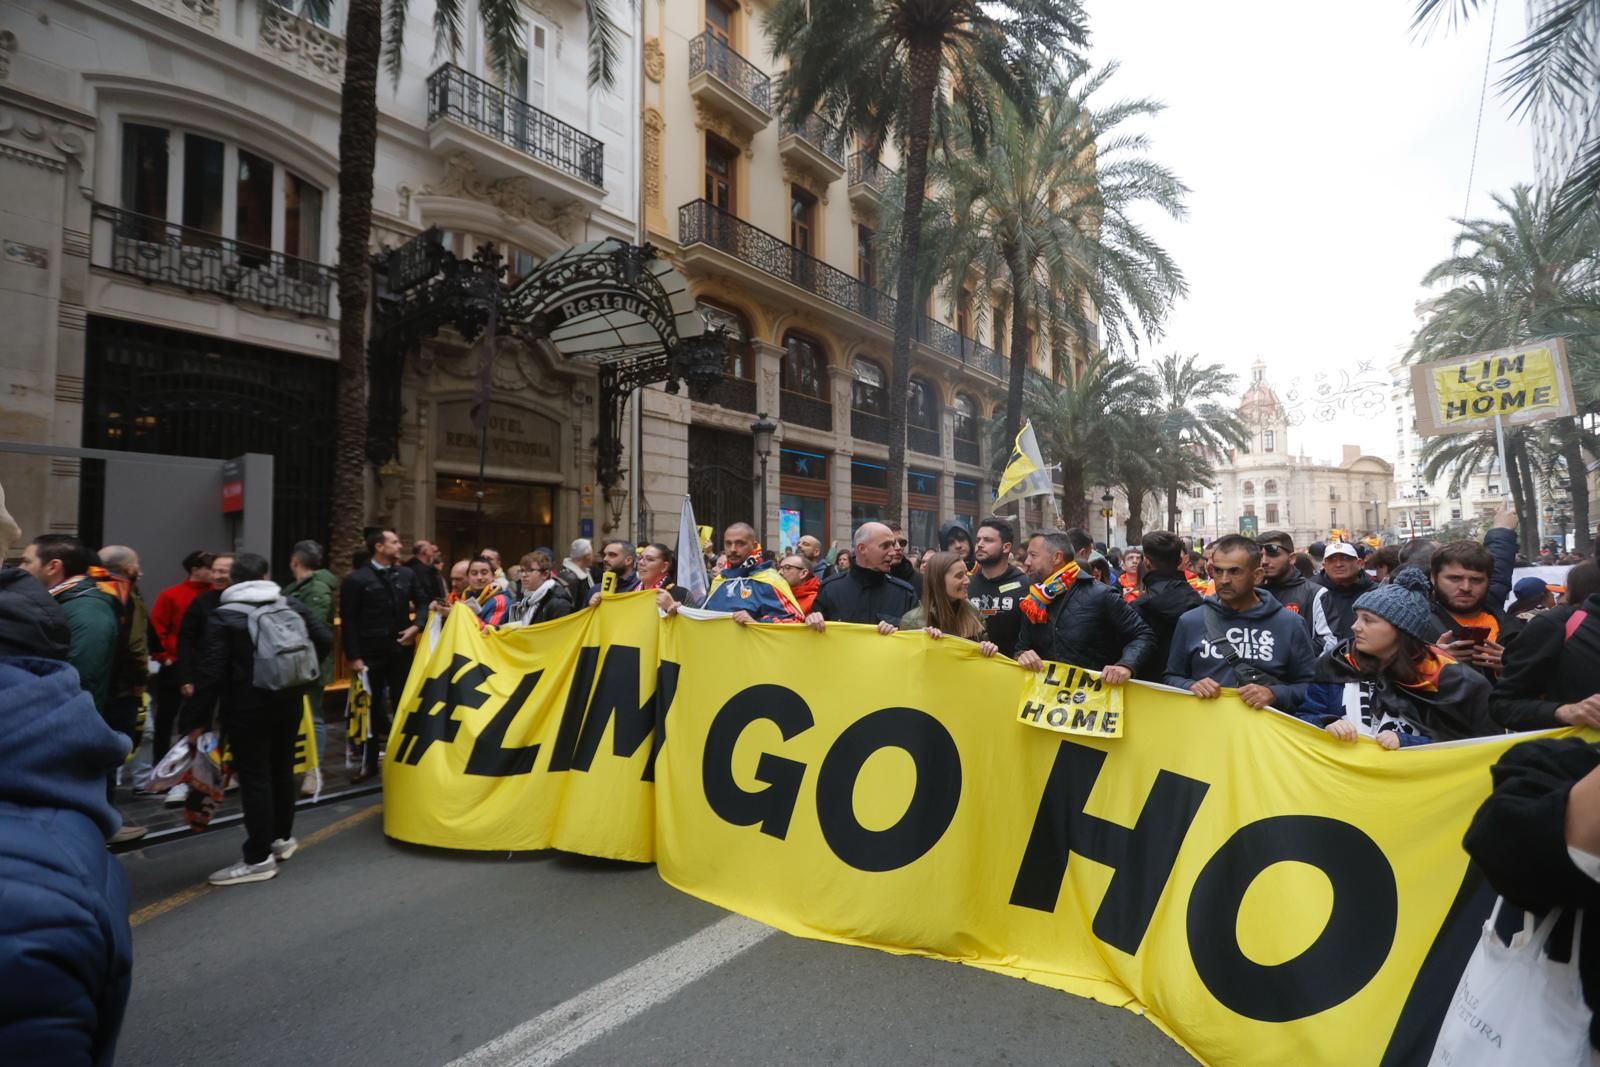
1265,893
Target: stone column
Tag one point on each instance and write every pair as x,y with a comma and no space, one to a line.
839,526
768,358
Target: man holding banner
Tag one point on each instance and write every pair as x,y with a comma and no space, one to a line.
1068,617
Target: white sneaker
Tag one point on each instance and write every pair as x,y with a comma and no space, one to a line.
128,832
283,848
177,795
243,872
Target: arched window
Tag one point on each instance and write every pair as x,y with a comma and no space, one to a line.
1269,441
804,370
867,392
1249,488
966,418
922,405
1271,486
741,360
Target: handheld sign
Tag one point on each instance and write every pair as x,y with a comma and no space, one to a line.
1071,700
1529,383
608,582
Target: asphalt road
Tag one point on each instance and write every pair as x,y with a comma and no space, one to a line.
363,951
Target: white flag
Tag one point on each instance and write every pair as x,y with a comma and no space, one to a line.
691,562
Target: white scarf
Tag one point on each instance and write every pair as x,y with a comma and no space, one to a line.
531,603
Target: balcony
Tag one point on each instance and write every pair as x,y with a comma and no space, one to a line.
727,84
967,452
700,222
869,180
736,394
866,426
802,410
815,146
195,261
296,41
505,136
923,440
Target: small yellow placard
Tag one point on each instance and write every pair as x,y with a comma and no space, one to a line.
1071,700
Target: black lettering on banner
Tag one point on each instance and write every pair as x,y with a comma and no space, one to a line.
769,809
592,704
490,757
1142,857
433,719
933,800
1346,954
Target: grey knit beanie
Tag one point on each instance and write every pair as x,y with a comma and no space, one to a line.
1402,602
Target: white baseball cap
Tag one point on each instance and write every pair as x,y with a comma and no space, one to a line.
1340,548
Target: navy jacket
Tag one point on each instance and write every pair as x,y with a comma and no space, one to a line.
66,955
1269,637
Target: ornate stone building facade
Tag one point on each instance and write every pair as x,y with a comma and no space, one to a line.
169,226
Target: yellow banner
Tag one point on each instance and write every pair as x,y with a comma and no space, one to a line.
1518,385
1265,893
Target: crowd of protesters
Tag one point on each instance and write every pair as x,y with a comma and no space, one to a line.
1404,645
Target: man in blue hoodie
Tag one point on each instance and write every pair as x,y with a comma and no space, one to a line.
1242,638
66,956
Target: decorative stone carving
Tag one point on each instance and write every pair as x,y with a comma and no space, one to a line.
655,60
32,133
707,119
8,44
653,125
514,196
300,43
805,180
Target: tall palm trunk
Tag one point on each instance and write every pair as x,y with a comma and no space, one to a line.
358,137
924,64
1172,508
1074,510
1578,480
1019,347
1135,524
1528,512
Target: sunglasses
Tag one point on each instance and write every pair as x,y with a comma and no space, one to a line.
902,542
1274,550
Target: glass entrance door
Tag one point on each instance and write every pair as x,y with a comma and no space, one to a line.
517,518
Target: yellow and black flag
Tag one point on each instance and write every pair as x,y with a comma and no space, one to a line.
1025,474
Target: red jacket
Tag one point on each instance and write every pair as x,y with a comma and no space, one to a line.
167,613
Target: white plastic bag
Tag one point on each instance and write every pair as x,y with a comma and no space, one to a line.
1515,1006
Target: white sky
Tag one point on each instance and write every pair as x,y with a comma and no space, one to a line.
1326,149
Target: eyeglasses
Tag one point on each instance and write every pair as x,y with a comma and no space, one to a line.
901,542
1274,550
790,567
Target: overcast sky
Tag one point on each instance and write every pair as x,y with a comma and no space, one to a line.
1326,149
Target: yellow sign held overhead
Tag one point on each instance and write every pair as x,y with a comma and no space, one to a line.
1520,385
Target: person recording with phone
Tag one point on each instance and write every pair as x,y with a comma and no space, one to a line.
1470,583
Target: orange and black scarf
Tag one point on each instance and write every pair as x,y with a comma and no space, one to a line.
1036,605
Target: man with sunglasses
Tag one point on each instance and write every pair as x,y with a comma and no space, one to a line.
1291,589
899,566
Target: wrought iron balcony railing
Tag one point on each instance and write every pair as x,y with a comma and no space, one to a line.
737,394
804,410
155,250
710,54
865,169
822,135
922,439
454,94
869,427
701,222
966,451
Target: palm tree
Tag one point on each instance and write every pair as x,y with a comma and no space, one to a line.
1517,277
1077,426
1553,73
364,41
1190,426
1044,207
878,66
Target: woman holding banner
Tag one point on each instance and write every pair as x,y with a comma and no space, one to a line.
1387,682
945,608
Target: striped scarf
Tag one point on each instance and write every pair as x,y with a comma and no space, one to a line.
1036,605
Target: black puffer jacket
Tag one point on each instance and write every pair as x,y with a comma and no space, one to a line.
375,606
555,604
1518,839
860,595
1545,669
1167,595
226,663
1308,600
1090,625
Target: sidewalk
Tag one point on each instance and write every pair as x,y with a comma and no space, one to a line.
165,823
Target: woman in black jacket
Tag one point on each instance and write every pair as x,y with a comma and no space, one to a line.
544,596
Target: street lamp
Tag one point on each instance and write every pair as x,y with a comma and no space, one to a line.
1107,500
761,431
